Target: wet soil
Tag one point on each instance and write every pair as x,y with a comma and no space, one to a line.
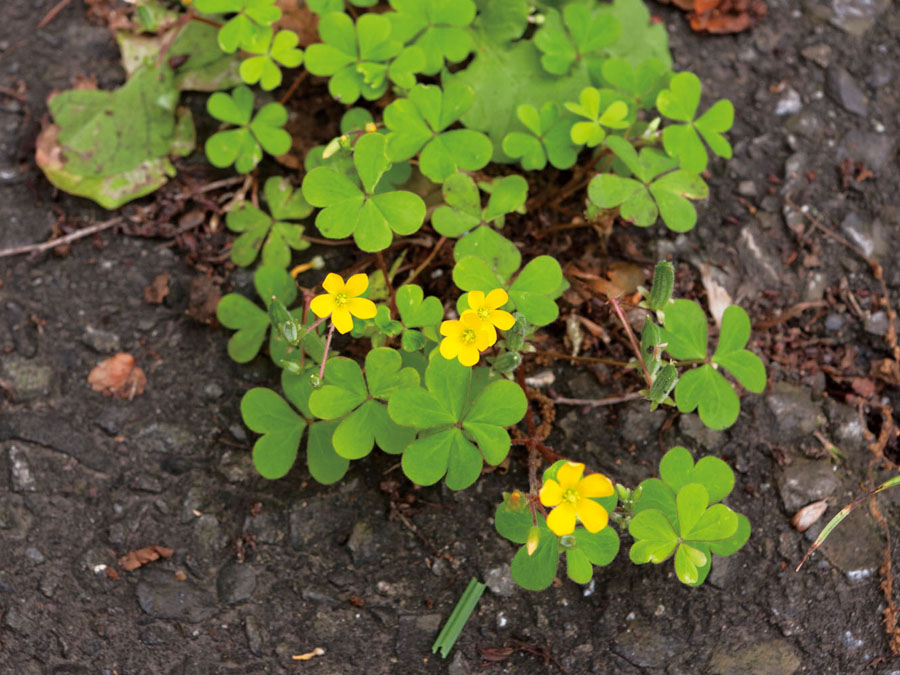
265,571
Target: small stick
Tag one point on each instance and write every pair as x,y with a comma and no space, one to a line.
49,16
293,87
427,261
596,402
634,343
53,243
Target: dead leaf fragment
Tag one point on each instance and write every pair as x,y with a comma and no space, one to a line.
318,651
809,514
203,299
134,559
716,294
157,291
119,377
863,386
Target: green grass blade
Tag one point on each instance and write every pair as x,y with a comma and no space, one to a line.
458,618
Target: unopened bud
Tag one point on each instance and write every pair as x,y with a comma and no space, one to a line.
371,127
315,380
534,537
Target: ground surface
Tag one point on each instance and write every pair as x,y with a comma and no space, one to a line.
273,570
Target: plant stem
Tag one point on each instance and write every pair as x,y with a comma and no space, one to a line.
387,281
631,338
325,354
596,402
427,261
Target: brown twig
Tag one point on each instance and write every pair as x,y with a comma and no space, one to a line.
392,299
631,338
427,261
53,243
296,83
49,16
597,402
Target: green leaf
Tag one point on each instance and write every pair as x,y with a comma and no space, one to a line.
324,464
677,469
344,389
733,543
370,160
600,547
705,389
265,412
513,524
536,572
427,459
672,193
113,146
690,503
421,409
718,523
533,290
730,353
462,211
435,26
458,618
655,494
685,330
501,255
688,560
508,194
578,567
385,373
471,273
503,20
501,403
415,309
655,540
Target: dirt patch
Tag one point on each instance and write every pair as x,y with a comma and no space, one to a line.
264,571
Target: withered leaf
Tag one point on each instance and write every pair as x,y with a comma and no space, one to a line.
157,291
134,559
118,376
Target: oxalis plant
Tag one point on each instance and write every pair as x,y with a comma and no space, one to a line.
477,95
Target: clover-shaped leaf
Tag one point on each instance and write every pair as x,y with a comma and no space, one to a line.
269,53
271,234
460,422
642,83
437,27
251,323
357,403
355,56
503,20
247,27
584,33
417,311
677,469
704,388
547,138
645,37
243,146
417,123
346,209
679,102
462,209
501,255
602,108
533,292
649,195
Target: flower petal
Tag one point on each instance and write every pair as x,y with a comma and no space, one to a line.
502,319
485,336
361,308
551,493
356,285
333,283
470,319
342,320
497,298
452,328
322,305
450,348
468,355
561,520
593,516
475,299
569,474
595,485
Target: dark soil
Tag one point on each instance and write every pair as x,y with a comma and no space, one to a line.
273,570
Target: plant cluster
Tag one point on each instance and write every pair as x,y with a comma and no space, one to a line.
580,85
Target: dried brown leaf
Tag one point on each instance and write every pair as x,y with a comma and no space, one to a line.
118,376
157,291
140,557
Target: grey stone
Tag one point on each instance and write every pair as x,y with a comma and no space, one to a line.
834,322
639,424
806,123
855,548
775,657
235,583
110,420
16,619
647,645
796,414
758,261
846,429
254,633
459,665
209,537
28,380
816,283
34,555
162,596
805,481
155,636
55,431
266,528
877,323
20,477
868,234
236,466
363,543
144,482
163,437
24,330
819,54
747,188
856,16
499,580
101,341
416,633
880,75
789,103
692,427
875,151
213,391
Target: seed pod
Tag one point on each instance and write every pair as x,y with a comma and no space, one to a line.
809,514
508,362
286,325
662,385
663,284
534,537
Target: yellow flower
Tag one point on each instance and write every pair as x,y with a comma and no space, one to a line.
466,338
342,300
486,309
572,496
